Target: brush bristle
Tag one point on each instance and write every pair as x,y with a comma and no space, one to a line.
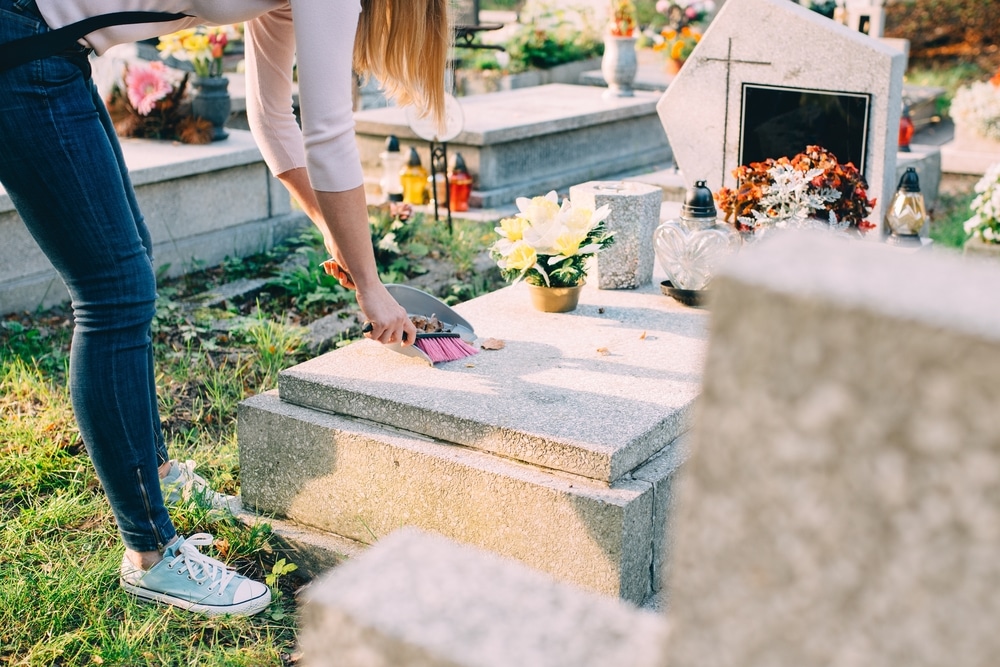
445,349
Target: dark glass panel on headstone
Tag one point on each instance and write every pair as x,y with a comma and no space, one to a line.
781,122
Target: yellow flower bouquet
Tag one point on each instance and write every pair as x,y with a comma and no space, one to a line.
548,245
203,47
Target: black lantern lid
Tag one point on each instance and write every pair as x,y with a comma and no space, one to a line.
909,181
698,202
414,160
458,165
392,144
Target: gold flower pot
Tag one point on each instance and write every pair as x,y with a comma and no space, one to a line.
555,299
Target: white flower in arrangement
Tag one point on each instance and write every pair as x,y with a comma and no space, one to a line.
978,106
985,220
548,244
790,201
389,243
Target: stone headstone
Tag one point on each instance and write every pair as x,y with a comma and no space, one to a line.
840,506
635,213
866,16
773,47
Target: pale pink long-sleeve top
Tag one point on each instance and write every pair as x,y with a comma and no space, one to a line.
317,35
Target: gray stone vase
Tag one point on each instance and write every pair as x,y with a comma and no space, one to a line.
210,100
619,65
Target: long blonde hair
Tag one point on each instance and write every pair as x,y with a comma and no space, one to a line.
404,45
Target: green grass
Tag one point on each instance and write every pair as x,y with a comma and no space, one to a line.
60,602
950,214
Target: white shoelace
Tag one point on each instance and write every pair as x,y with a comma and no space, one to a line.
189,479
202,568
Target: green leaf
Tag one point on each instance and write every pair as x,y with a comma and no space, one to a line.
418,249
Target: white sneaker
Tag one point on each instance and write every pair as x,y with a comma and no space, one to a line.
188,579
182,483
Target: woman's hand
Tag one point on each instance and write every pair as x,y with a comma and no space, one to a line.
389,321
342,218
333,268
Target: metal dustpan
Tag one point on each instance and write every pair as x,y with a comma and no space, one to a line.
418,302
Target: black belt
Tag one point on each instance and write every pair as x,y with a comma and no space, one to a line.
58,41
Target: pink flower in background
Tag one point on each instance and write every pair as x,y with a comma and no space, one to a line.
146,85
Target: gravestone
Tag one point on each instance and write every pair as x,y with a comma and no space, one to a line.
769,75
866,16
840,505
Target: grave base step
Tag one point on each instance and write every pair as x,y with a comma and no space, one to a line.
360,480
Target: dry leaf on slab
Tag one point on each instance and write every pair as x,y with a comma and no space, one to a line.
492,344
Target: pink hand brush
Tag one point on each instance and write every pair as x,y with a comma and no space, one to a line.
439,346
442,334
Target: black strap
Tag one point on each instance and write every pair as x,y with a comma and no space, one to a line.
46,44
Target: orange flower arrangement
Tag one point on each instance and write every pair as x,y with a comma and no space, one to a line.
622,18
793,192
678,44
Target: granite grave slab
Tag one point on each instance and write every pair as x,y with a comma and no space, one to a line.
594,392
528,141
558,450
419,599
201,203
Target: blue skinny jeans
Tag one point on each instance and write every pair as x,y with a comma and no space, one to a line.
62,166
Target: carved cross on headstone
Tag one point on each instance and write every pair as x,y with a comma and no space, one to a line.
730,61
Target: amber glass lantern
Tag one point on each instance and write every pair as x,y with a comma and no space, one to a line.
907,214
414,180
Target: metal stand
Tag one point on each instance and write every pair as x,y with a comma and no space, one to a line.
439,165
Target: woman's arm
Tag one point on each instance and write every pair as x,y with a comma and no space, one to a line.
342,217
297,182
320,166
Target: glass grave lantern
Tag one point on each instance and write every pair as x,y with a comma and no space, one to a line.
691,248
907,213
392,165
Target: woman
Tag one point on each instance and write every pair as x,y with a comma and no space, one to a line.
61,164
